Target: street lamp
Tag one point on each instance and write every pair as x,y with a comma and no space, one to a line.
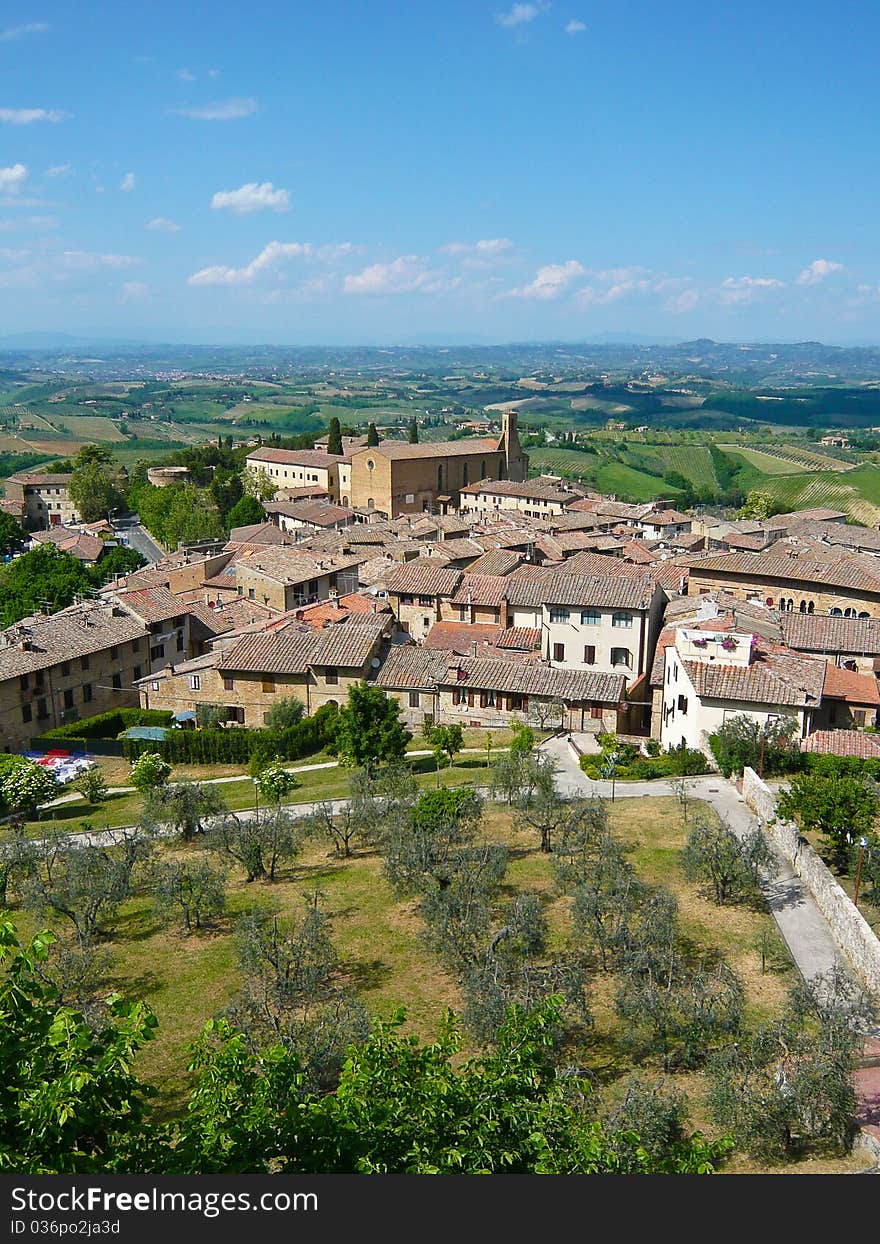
863,842
609,769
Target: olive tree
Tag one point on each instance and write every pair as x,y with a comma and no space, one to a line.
188,891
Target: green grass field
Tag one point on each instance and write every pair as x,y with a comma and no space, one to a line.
767,463
89,427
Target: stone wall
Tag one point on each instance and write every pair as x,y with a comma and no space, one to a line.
851,931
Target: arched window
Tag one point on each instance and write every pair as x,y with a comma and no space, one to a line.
802,607
864,615
371,503
465,475
810,606
837,613
440,477
849,613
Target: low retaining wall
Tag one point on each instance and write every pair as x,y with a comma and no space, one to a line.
851,931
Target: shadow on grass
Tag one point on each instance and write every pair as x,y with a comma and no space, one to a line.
368,974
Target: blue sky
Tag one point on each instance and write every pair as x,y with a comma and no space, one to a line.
375,172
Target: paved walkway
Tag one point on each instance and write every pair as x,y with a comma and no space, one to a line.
802,926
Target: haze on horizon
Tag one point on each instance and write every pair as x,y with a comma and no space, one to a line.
459,173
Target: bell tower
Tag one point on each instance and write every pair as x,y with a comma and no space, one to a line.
516,462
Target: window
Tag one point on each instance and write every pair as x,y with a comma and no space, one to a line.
26,713
114,653
682,704
65,669
195,682
589,654
488,699
426,601
117,681
228,684
410,498
837,613
407,600
414,699
621,656
268,683
621,618
331,676
68,698
313,587
559,615
559,652
251,593
596,712
42,712
590,617
459,695
87,691
180,641
158,652
138,670
135,645
25,681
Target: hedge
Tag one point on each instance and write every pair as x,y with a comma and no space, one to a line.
111,724
681,762
236,746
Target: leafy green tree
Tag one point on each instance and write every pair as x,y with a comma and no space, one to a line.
149,771
730,866
786,1088
607,897
446,741
258,843
70,1101
190,892
424,852
286,712
96,488
372,434
840,807
334,437
92,786
13,536
226,489
369,731
185,807
84,882
211,716
274,782
28,785
119,560
520,773
45,577
293,994
259,483
759,505
245,513
768,747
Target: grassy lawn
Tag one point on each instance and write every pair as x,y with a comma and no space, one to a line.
189,978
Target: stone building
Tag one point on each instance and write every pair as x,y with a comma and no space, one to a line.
249,674
41,500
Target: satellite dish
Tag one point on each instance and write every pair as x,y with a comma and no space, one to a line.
375,663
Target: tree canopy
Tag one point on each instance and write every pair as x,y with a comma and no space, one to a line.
369,731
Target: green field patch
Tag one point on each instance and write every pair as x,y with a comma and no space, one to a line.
90,426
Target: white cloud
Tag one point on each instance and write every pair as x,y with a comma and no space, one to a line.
401,276
133,291
520,15
127,182
818,270
59,170
268,257
19,32
161,224
213,73
90,260
333,251
550,281
683,302
28,222
27,116
575,27
185,75
742,289
223,110
485,247
12,178
252,197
